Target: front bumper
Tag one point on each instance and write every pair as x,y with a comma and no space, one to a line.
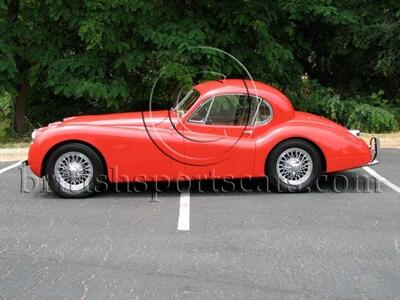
374,146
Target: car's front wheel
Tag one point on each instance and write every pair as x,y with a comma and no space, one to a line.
294,165
74,170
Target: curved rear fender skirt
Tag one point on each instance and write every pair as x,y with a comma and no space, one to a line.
341,149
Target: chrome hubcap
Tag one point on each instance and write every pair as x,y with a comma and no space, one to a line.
73,171
294,166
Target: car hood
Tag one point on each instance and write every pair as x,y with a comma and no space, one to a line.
154,118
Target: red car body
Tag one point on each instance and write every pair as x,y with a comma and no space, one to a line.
163,145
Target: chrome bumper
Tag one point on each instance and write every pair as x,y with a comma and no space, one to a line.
372,163
374,146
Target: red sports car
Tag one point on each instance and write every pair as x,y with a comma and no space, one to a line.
220,129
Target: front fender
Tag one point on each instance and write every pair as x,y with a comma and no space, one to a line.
128,151
51,137
109,141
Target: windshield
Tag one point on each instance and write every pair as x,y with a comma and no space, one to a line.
187,102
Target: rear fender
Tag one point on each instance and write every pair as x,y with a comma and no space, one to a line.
340,148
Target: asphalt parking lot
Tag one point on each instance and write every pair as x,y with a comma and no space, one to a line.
241,245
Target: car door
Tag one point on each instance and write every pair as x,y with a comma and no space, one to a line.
218,137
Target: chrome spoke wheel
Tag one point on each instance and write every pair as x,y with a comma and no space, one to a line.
73,171
294,166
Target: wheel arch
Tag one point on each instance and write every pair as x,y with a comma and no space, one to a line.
321,153
57,145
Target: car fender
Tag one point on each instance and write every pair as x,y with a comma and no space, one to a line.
108,141
341,149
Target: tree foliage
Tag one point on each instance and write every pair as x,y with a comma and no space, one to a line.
97,55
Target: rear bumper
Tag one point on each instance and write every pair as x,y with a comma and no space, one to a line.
374,147
372,163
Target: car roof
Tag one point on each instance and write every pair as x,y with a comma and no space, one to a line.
279,102
235,86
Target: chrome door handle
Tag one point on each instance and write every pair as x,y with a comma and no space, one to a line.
250,131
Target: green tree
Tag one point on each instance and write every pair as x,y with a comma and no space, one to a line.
97,55
351,46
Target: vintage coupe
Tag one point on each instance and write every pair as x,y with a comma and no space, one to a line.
221,129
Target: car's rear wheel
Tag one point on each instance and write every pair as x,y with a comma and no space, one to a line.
74,170
294,165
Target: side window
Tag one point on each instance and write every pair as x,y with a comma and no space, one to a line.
223,110
248,108
232,110
264,113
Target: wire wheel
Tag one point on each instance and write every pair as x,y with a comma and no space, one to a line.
294,166
73,171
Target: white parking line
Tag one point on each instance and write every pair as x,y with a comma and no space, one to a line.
184,211
11,167
382,179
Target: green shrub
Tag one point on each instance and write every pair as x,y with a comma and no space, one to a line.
372,119
319,100
311,97
333,108
372,114
377,100
396,112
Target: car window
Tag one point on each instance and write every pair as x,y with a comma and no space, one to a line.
232,110
264,112
201,113
187,102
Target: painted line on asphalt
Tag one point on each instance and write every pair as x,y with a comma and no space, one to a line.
382,179
184,212
11,167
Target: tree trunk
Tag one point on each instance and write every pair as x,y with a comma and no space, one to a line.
13,8
20,105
